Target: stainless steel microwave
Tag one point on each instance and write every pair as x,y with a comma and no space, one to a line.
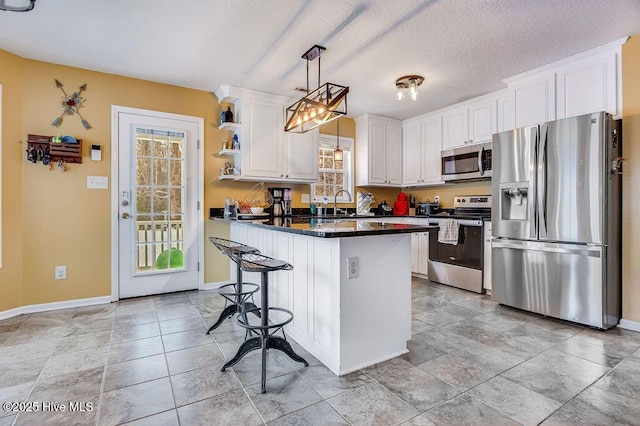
469,162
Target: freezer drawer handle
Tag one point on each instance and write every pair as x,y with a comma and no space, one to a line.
583,252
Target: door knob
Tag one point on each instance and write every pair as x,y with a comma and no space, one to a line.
125,215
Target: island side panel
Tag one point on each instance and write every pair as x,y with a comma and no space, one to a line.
376,306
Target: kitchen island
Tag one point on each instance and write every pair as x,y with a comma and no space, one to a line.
350,289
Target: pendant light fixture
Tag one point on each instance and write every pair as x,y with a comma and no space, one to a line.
337,153
410,82
324,104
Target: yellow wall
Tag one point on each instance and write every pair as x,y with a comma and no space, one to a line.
11,278
631,179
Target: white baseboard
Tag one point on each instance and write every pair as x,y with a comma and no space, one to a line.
29,309
216,285
629,325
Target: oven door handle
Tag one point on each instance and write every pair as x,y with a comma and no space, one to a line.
461,222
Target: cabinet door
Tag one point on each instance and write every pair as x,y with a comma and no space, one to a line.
412,154
588,87
262,149
431,149
423,261
377,152
486,279
301,157
483,121
394,154
534,100
456,128
415,252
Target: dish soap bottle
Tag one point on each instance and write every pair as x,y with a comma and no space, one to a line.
228,115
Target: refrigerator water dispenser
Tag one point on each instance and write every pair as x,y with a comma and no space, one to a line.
514,201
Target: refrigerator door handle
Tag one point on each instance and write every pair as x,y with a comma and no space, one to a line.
542,183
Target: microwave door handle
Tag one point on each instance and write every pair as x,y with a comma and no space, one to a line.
480,156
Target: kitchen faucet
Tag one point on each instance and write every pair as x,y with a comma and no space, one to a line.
335,201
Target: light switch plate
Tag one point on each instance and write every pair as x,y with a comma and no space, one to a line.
305,198
97,182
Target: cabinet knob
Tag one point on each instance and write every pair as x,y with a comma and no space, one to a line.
470,140
281,175
287,176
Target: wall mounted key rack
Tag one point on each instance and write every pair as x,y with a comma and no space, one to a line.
44,149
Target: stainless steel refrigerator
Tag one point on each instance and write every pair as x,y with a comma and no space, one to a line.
556,219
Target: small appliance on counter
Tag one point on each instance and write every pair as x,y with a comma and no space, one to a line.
427,208
230,208
281,201
363,206
401,205
384,209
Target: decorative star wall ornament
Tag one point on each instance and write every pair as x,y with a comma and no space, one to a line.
71,104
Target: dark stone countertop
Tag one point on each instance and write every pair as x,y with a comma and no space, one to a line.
333,227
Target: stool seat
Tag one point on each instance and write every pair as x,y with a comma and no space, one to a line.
232,248
237,293
252,262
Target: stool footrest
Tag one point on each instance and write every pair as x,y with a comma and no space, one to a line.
244,322
231,290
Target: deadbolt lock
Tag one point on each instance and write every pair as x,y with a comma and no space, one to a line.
125,215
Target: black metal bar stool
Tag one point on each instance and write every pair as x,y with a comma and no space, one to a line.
238,293
266,339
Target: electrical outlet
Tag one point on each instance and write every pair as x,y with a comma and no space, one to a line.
305,198
436,199
61,272
352,263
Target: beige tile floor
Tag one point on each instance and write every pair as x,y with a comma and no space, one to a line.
148,361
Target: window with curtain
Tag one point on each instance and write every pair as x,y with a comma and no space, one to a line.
333,175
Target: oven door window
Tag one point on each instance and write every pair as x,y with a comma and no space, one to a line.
460,164
467,253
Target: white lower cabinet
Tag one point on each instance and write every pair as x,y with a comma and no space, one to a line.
486,278
420,254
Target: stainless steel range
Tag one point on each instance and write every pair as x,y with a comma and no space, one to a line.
456,254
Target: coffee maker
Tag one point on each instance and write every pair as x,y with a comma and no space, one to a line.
281,201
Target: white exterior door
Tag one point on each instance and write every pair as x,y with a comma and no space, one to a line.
158,197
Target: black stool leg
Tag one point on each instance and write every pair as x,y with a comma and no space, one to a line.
226,313
264,307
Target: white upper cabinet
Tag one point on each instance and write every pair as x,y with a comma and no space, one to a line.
262,152
590,85
456,127
581,84
301,156
422,143
267,153
533,100
378,151
470,122
412,153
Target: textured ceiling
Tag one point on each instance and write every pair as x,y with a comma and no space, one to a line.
464,48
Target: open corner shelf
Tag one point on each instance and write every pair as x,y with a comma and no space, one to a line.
229,125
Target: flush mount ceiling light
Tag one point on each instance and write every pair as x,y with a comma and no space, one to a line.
17,5
324,104
410,82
